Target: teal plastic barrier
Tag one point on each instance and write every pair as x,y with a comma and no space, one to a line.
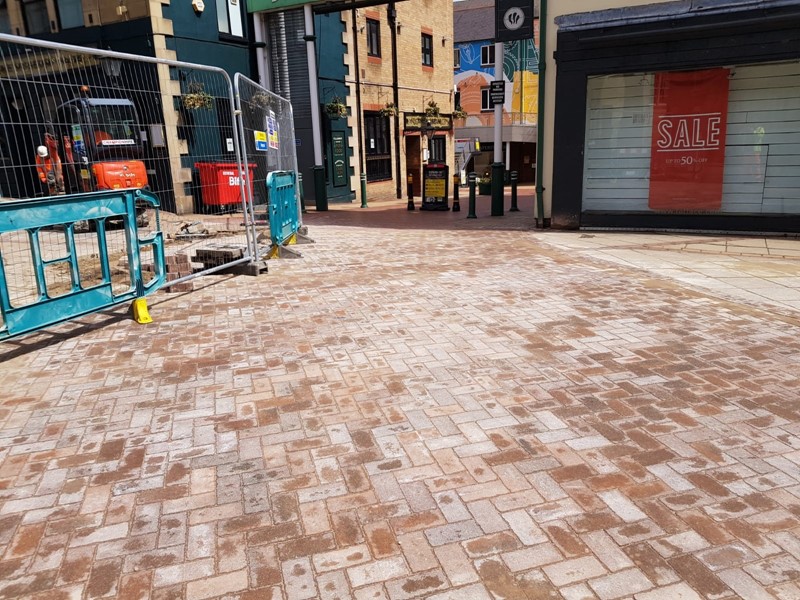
30,218
284,219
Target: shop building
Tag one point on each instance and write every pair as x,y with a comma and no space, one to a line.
676,115
380,68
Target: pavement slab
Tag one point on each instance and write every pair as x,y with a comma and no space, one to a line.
423,406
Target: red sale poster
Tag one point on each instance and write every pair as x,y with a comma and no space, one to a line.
687,157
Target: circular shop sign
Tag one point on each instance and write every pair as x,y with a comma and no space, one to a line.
514,18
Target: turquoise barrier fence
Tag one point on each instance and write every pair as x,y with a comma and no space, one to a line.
283,213
66,256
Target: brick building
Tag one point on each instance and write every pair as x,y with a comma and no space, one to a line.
401,60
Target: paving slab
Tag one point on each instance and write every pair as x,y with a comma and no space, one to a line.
423,406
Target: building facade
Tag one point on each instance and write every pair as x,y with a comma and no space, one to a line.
676,116
401,66
386,64
473,70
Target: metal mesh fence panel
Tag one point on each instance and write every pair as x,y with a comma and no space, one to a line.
78,121
268,144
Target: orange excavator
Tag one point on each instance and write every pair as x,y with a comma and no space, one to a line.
103,144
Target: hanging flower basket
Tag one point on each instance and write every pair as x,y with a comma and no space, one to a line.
432,110
196,98
336,108
263,100
459,113
389,110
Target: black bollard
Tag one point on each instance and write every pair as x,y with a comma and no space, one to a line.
514,178
471,182
456,203
410,190
364,190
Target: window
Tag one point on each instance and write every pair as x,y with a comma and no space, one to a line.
379,154
373,37
70,14
5,24
427,49
457,58
486,100
229,17
487,56
36,19
437,149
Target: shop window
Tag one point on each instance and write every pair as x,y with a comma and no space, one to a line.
70,14
373,38
457,58
378,148
5,24
438,149
486,100
229,17
36,19
487,56
427,50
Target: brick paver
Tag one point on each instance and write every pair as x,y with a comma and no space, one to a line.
421,407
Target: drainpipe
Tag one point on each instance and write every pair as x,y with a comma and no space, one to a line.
258,30
362,165
396,99
540,115
320,191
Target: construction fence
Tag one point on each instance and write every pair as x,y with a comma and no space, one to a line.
78,121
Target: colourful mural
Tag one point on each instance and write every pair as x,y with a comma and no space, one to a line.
520,71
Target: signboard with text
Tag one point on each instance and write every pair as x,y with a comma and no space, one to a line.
435,185
497,92
415,121
687,158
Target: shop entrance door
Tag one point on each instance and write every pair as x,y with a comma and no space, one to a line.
414,162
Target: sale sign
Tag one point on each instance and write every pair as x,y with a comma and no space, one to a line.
687,157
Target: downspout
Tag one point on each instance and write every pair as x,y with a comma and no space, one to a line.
540,115
261,58
362,167
396,99
283,68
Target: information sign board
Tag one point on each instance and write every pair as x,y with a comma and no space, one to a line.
435,185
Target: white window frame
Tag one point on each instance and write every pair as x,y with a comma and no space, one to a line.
231,11
486,100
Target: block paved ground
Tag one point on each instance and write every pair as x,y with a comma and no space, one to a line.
421,407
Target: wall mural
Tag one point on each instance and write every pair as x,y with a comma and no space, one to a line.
520,71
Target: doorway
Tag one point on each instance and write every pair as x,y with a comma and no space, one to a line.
414,162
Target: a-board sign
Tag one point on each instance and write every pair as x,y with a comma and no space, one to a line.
435,186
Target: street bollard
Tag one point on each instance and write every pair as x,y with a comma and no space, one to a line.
456,203
364,190
471,180
410,190
300,191
514,178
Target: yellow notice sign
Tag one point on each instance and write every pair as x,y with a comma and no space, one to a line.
261,140
434,188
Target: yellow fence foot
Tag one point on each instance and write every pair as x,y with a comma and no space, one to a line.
140,313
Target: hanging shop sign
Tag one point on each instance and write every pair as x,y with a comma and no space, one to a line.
513,20
687,156
415,122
